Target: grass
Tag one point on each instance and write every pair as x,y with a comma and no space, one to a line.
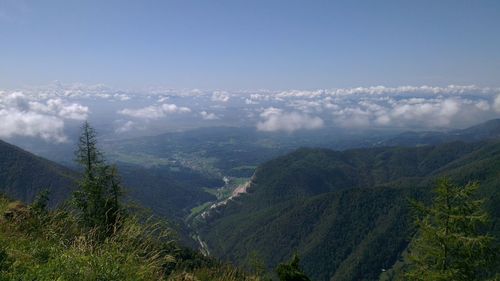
141,159
244,167
198,210
53,246
220,193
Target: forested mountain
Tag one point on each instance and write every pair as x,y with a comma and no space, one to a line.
170,194
167,193
346,213
23,175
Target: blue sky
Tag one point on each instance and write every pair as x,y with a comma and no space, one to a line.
250,44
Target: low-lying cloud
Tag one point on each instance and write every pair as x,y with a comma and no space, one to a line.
45,111
275,119
22,116
208,115
412,112
220,96
58,106
154,111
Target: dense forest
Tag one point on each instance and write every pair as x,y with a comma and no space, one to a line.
24,175
313,214
346,213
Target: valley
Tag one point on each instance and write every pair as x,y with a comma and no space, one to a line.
378,178
347,206
250,140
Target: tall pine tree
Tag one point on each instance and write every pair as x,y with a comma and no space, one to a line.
98,196
450,244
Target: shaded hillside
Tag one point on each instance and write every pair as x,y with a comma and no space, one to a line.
169,194
23,175
345,212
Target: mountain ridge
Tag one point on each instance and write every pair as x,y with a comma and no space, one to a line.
354,213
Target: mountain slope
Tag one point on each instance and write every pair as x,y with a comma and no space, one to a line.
23,175
345,212
168,194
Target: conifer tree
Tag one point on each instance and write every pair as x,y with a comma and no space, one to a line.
98,197
291,271
450,244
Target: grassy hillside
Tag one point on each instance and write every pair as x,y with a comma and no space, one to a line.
43,246
346,212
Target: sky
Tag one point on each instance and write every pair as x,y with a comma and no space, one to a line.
146,67
250,45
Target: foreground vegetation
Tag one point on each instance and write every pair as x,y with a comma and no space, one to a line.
452,242
36,244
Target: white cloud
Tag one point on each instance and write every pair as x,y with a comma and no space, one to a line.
250,101
208,116
220,96
121,97
277,120
154,112
172,108
163,99
496,103
483,105
306,105
128,126
149,112
382,90
21,115
353,117
433,113
405,107
21,123
419,112
58,106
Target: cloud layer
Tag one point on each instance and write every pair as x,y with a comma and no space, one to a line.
154,112
22,116
275,119
45,111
